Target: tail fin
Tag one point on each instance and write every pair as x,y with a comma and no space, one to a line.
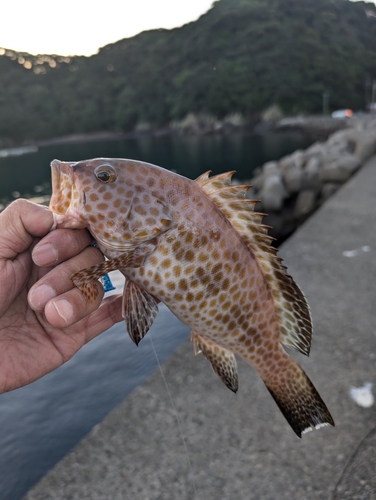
298,399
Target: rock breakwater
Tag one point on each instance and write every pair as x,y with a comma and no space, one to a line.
292,188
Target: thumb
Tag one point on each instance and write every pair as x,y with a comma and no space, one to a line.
20,222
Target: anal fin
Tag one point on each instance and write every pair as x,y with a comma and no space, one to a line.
222,360
139,310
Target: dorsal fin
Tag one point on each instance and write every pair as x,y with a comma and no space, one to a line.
291,305
212,184
203,177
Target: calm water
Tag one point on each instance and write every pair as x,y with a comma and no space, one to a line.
40,423
29,174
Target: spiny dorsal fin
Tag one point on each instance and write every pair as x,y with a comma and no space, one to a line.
203,177
291,305
212,184
234,192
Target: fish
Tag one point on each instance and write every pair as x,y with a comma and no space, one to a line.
199,247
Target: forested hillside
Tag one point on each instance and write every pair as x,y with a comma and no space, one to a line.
241,56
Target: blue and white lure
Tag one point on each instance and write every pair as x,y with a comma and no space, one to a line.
107,283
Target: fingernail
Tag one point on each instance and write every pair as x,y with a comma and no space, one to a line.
45,254
39,296
64,309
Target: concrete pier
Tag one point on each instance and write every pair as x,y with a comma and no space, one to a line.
229,446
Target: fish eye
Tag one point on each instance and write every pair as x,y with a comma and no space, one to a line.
105,174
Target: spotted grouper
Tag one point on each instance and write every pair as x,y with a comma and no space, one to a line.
200,248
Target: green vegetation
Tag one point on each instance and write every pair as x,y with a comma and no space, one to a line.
240,57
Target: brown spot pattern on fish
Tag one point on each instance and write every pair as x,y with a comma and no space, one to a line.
199,247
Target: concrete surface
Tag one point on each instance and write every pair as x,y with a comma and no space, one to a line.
239,446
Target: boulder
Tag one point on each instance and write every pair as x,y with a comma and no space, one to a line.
293,179
339,137
295,160
310,177
349,162
338,148
340,169
257,181
317,150
313,165
305,203
371,125
273,193
335,152
270,168
365,146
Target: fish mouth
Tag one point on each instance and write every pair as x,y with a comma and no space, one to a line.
65,204
55,173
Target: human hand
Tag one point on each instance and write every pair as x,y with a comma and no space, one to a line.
44,319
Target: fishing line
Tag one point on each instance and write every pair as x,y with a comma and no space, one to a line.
176,414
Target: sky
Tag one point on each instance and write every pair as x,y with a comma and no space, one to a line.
81,27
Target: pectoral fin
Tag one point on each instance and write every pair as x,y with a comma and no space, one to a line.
139,310
85,280
222,360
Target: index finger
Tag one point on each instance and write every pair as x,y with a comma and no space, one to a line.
60,245
20,222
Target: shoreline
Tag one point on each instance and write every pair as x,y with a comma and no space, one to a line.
319,127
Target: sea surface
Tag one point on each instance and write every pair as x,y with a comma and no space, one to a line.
40,423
